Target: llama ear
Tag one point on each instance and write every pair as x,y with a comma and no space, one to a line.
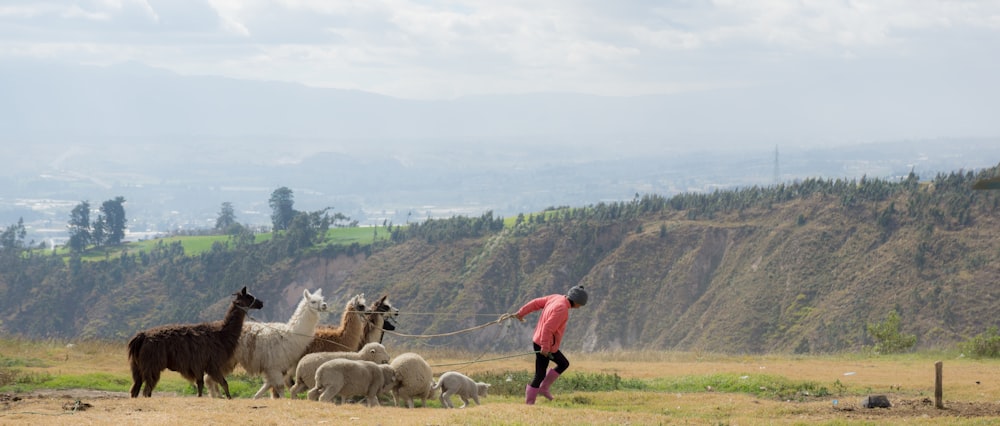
244,291
305,293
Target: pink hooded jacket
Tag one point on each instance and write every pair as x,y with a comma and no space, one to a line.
552,322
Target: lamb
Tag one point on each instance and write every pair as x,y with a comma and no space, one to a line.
414,378
453,382
305,371
348,377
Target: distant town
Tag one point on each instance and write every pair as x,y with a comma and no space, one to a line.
391,193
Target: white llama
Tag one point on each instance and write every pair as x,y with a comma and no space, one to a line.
272,348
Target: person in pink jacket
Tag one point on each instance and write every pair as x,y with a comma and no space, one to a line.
548,335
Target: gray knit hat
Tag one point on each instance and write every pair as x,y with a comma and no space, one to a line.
577,295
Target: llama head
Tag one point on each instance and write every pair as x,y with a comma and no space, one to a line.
356,304
388,312
246,300
315,300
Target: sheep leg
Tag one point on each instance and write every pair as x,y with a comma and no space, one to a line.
296,389
313,394
446,398
328,395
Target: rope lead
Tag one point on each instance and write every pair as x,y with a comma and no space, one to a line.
502,318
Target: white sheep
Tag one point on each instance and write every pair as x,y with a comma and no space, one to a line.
348,377
455,383
414,378
305,371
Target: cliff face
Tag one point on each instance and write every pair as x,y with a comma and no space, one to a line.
804,271
804,276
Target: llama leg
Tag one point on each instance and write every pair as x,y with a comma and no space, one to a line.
136,386
276,382
220,380
214,386
151,380
263,390
136,382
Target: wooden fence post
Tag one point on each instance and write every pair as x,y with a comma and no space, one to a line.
938,391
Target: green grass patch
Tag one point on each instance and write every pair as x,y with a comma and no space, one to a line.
21,362
15,379
511,383
96,381
364,236
760,385
197,244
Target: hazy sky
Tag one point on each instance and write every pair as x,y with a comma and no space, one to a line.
444,49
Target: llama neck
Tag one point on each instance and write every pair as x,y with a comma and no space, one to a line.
304,319
373,327
234,318
352,319
375,322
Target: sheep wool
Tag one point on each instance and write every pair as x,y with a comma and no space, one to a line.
414,378
347,377
305,371
455,383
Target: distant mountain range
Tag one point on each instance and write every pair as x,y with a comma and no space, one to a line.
176,147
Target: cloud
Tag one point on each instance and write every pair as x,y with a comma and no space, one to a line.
449,48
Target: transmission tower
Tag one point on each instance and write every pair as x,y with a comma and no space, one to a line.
777,171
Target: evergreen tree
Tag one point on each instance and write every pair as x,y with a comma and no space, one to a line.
113,212
79,227
226,219
282,212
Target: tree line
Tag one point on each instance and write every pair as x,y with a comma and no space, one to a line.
32,281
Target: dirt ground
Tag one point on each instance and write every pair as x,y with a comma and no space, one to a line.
81,406
971,396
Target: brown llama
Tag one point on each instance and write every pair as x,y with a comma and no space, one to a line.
194,350
379,320
344,338
347,336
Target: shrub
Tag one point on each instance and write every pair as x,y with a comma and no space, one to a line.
982,345
888,338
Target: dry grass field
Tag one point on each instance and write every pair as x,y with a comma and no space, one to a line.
971,393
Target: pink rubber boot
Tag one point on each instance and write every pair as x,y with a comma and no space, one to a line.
530,394
550,378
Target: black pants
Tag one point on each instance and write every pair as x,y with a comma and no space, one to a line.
542,364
